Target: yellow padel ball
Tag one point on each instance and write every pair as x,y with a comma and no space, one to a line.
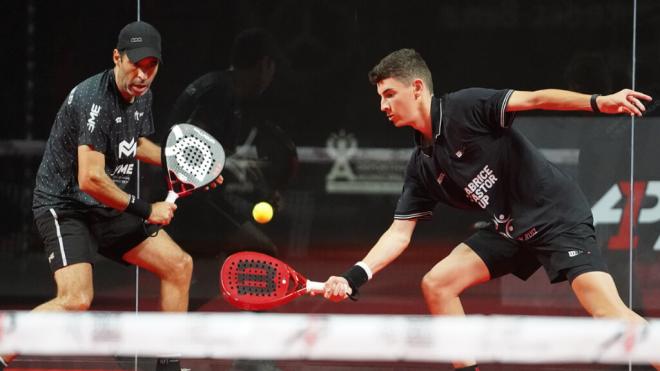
262,212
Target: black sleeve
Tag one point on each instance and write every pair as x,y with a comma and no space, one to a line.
415,201
481,109
91,120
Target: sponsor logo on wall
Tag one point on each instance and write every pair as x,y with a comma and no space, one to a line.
365,171
616,207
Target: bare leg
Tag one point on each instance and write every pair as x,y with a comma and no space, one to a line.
163,257
443,284
598,294
75,291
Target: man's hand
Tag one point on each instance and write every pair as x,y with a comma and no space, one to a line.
162,213
218,181
336,289
625,101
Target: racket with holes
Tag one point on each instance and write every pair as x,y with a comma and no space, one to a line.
254,281
192,159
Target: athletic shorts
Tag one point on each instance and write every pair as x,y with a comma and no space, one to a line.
564,257
76,236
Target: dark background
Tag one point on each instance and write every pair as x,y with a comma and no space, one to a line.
320,89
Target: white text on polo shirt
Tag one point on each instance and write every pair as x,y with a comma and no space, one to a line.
477,190
93,113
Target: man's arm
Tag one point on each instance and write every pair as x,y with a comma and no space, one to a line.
148,151
93,180
390,245
625,101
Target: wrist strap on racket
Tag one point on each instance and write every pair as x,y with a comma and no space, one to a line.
357,276
138,207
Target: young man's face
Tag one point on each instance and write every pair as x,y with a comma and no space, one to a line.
397,100
134,79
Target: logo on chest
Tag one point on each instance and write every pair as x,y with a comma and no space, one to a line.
128,149
477,190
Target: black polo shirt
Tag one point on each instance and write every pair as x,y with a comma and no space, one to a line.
478,161
93,114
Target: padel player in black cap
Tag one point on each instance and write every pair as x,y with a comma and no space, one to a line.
82,203
469,156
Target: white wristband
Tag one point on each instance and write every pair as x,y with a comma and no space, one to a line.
366,268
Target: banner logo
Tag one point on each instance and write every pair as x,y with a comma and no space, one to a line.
615,208
365,171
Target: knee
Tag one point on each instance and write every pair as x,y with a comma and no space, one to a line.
181,267
80,301
434,285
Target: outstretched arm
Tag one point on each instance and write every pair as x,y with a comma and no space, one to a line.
390,245
625,101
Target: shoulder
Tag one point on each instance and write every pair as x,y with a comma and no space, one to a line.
90,91
470,94
472,99
209,81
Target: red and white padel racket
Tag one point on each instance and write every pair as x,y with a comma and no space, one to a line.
192,159
254,281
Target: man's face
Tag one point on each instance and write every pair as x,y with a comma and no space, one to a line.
134,79
397,100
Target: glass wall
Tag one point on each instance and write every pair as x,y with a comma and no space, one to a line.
312,141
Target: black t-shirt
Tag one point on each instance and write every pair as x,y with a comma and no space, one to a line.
93,114
478,161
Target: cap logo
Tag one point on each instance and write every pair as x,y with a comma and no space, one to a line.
136,39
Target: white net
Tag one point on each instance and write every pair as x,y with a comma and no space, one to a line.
505,339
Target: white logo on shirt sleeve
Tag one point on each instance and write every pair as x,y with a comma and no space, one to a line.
93,114
71,95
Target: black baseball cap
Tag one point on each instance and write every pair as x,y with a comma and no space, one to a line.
139,40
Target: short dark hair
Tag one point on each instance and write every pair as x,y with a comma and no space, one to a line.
251,46
403,64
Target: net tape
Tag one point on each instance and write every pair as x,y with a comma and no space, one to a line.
507,339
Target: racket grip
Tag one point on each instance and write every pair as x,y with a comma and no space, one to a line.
315,287
171,197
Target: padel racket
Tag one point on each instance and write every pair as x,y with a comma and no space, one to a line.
192,159
255,281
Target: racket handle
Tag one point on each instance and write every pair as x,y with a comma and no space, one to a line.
315,287
171,197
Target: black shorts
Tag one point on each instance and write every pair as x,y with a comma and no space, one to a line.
75,236
564,257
